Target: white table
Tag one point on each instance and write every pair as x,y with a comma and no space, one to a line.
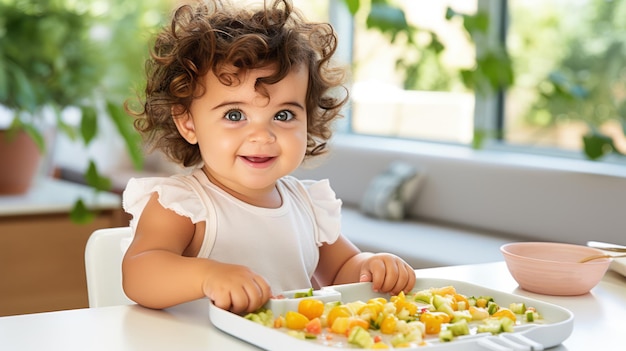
599,320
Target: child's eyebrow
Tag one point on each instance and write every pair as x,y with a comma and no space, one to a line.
295,104
226,103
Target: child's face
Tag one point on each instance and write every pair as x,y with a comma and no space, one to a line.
248,141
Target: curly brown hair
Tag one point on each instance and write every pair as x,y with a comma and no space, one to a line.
211,35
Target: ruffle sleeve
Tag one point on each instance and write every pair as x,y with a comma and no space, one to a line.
326,208
174,194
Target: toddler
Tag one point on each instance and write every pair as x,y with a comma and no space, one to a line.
241,97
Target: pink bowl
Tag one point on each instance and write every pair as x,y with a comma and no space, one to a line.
553,268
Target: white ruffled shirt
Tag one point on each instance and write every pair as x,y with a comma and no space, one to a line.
281,244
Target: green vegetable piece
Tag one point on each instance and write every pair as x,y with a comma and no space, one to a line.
360,337
398,339
531,316
461,315
493,328
296,334
507,325
492,307
471,300
459,328
300,294
446,335
518,308
423,296
263,316
443,304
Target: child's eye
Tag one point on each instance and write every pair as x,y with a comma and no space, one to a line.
234,116
284,115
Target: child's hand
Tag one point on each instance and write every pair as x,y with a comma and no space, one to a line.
236,288
388,274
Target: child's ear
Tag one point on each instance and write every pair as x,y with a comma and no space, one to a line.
184,124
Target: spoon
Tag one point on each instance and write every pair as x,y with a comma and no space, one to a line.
595,257
606,246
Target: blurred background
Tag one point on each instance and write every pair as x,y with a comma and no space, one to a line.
518,77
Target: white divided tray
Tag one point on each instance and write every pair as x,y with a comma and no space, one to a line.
556,326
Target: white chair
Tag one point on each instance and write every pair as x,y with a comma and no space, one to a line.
103,265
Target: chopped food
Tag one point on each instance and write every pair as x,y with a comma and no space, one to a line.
420,318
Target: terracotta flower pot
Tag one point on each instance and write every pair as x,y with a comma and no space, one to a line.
19,159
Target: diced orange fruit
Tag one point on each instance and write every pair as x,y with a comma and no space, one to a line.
314,326
295,320
461,298
279,322
311,308
335,312
443,291
505,312
357,322
433,320
388,325
340,325
371,309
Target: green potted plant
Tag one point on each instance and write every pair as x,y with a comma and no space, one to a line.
50,60
492,69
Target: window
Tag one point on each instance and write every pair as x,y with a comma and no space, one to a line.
410,89
569,74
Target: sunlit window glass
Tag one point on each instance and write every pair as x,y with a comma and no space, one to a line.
570,64
412,88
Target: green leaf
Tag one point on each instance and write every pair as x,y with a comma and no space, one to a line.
478,23
25,96
597,145
33,132
450,13
387,19
435,44
80,213
36,136
88,123
124,125
479,138
4,79
353,6
95,180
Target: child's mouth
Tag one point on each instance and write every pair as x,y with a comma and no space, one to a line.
258,159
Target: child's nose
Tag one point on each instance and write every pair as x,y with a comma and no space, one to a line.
261,133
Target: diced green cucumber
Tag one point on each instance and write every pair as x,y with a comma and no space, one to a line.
461,315
446,335
360,337
507,324
300,294
518,308
263,316
490,326
423,296
443,304
492,307
459,328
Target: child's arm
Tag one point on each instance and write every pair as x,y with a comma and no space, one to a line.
158,272
341,262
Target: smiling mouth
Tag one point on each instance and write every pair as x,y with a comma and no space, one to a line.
258,159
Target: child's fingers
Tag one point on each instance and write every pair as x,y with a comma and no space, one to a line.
375,270
389,273
405,280
222,301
